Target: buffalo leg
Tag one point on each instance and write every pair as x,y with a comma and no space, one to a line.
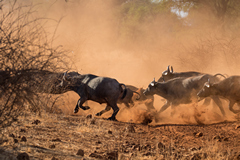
173,110
104,111
130,104
115,111
149,104
127,105
219,104
79,104
206,101
231,107
164,107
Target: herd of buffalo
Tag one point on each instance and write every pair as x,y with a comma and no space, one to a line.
175,87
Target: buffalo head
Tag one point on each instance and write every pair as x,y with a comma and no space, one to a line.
166,75
151,88
207,90
67,80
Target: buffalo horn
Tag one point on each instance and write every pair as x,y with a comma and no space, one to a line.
64,76
168,70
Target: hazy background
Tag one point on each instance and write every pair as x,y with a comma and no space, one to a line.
134,41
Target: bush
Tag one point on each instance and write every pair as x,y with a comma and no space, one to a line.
27,58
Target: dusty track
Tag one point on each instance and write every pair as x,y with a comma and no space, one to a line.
63,136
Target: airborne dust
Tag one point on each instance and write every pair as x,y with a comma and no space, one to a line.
99,42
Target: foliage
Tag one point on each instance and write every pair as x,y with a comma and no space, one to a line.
25,51
135,12
226,12
137,15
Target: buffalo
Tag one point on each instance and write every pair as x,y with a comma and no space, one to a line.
169,74
181,90
143,99
228,88
128,100
95,88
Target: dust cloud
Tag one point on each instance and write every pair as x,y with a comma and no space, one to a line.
93,32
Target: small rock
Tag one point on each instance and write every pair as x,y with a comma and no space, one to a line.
217,138
196,156
148,154
137,147
198,134
147,146
153,138
3,141
89,116
147,119
95,155
23,156
36,122
11,135
23,139
130,129
52,146
161,146
112,155
204,155
126,151
15,140
193,149
133,144
237,127
56,140
93,121
98,142
54,158
237,157
22,130
80,152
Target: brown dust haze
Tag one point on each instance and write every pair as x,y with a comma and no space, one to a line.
93,32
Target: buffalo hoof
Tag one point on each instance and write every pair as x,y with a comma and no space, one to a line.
85,107
75,110
112,119
98,114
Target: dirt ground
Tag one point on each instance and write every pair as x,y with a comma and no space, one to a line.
61,136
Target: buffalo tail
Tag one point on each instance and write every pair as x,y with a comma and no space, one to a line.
219,74
124,91
139,96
